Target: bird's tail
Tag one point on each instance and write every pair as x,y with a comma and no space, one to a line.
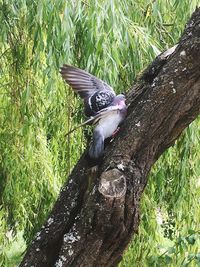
97,146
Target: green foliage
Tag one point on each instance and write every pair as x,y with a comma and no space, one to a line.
114,40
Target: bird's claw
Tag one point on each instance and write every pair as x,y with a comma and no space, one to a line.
114,134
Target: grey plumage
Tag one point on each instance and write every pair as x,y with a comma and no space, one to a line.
105,127
105,109
97,146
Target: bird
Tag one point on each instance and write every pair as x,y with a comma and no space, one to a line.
105,109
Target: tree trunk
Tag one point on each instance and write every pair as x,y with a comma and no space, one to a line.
97,212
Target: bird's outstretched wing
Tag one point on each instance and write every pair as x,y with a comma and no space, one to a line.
84,83
105,113
95,119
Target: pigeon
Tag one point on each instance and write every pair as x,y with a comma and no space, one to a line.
104,108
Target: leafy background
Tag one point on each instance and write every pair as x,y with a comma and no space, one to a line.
114,40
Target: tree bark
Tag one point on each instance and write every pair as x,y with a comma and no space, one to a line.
97,212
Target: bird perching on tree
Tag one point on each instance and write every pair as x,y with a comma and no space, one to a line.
105,109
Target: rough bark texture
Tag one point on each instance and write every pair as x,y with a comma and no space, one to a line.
97,211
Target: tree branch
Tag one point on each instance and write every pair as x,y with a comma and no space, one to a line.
97,211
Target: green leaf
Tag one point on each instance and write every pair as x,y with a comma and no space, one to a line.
171,250
191,239
191,231
167,259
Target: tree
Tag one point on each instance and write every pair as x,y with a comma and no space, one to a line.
97,212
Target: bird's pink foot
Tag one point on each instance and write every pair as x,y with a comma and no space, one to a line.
115,132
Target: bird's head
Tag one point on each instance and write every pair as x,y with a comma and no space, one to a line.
120,100
121,97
